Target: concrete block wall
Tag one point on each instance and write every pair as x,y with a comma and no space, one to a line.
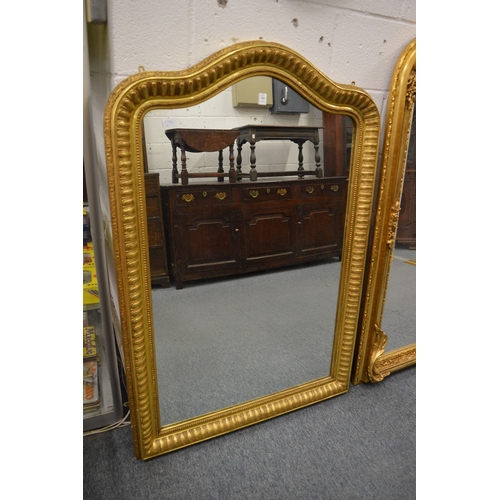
218,112
351,41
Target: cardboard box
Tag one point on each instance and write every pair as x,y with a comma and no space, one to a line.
90,286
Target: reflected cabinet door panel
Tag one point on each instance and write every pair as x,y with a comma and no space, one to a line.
202,232
322,218
269,236
204,242
270,222
321,228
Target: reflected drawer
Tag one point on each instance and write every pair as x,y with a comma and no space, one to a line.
324,188
204,197
268,193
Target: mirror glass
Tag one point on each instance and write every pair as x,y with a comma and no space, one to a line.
175,401
387,336
400,320
221,341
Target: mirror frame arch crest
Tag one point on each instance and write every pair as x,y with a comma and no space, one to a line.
373,364
124,114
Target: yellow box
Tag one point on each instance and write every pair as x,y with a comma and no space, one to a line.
88,255
90,286
89,342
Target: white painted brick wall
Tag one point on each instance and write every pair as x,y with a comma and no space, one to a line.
218,112
348,40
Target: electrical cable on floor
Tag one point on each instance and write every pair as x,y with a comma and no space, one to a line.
116,425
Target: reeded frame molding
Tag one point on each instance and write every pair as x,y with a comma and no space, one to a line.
373,364
124,114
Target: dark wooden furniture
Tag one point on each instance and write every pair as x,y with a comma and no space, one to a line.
208,140
156,236
337,143
299,135
406,235
199,141
218,230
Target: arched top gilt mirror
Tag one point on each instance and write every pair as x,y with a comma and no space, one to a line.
125,114
373,362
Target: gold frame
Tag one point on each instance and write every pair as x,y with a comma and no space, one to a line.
373,364
124,114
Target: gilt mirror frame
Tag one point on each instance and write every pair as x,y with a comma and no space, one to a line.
124,114
373,364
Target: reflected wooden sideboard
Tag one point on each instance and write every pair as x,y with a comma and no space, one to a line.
219,230
156,235
406,235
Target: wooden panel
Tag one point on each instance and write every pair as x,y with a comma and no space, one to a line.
273,193
269,236
321,229
218,231
407,225
204,197
156,236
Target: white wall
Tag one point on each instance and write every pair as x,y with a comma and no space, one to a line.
351,41
218,112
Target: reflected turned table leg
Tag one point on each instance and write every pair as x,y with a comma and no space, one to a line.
175,172
317,158
253,158
239,145
184,172
220,170
300,158
232,170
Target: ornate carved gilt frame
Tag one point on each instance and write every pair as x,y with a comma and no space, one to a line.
124,114
372,363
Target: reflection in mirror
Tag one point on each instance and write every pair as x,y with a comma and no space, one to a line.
400,315
254,241
226,337
386,341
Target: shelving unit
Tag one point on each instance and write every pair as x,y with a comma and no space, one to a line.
110,409
102,400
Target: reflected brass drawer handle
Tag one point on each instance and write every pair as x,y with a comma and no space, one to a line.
310,189
335,187
254,193
282,191
221,196
188,197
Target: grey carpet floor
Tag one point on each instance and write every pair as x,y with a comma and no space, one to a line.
360,445
399,321
225,341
